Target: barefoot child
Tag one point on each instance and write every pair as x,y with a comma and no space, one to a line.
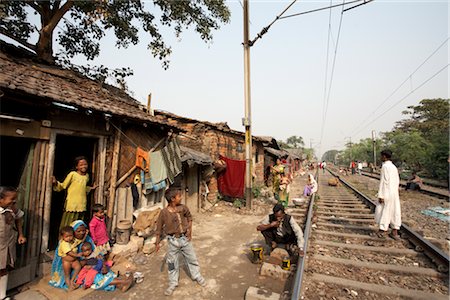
77,190
175,221
92,265
67,249
9,215
98,231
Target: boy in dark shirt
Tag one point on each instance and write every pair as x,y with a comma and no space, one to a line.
176,222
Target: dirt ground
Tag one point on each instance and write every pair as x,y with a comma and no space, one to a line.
221,239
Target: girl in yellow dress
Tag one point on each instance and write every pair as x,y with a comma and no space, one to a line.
76,184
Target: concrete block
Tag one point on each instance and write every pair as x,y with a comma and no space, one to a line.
125,250
254,293
279,254
149,248
139,241
274,271
30,294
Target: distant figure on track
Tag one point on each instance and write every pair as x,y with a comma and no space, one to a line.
388,211
324,165
414,183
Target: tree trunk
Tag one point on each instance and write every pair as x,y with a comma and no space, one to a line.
44,46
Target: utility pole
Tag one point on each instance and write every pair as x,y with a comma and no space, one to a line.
374,150
247,118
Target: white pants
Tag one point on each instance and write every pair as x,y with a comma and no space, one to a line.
3,286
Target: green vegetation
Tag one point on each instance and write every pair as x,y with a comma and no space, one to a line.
419,143
78,26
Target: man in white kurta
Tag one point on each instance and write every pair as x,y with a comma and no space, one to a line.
389,212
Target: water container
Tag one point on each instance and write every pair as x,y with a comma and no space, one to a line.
123,232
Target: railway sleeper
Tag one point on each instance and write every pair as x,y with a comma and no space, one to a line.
398,251
377,288
384,267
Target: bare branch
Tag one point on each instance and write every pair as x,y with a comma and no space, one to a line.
19,40
56,6
35,6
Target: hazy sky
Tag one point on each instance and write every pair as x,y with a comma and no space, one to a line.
380,45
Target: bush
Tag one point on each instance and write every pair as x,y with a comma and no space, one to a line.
237,203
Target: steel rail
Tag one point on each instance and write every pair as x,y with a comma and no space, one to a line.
297,288
423,191
440,258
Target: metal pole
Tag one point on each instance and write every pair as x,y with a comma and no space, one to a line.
374,150
247,119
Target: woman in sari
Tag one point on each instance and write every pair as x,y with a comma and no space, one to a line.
106,280
311,186
81,234
277,170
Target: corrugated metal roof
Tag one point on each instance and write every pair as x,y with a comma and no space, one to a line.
191,157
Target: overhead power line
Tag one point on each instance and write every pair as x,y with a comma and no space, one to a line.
401,84
281,17
406,96
332,76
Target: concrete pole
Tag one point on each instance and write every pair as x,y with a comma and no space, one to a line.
247,119
374,150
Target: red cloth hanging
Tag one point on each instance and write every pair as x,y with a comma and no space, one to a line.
232,181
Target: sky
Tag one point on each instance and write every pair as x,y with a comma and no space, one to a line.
380,45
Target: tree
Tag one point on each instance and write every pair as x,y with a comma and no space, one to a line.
408,148
330,155
83,23
295,141
429,119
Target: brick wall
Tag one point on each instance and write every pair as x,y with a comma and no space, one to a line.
216,142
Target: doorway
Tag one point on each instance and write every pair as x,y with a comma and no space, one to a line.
67,148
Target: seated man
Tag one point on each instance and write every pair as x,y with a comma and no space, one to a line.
414,183
281,228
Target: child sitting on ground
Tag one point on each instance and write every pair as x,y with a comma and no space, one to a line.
67,250
98,231
91,266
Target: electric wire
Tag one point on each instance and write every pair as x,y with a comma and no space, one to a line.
408,78
326,65
406,96
332,75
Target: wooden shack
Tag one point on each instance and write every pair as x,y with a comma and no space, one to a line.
48,117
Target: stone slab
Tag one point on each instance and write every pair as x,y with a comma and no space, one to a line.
254,293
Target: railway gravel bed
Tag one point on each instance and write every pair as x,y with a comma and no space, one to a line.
346,260
412,203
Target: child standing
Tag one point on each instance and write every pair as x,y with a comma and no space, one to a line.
67,250
176,222
98,231
9,215
77,190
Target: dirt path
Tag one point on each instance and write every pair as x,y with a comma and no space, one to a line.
222,240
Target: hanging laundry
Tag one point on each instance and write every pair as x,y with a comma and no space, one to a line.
172,158
158,169
142,159
231,182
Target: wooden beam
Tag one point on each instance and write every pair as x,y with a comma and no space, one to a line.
113,186
101,170
48,193
125,176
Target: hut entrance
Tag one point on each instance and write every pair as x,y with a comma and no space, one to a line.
67,148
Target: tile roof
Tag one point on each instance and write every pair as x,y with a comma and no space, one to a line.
222,126
21,73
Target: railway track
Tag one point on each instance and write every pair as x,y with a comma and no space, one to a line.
346,260
441,193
